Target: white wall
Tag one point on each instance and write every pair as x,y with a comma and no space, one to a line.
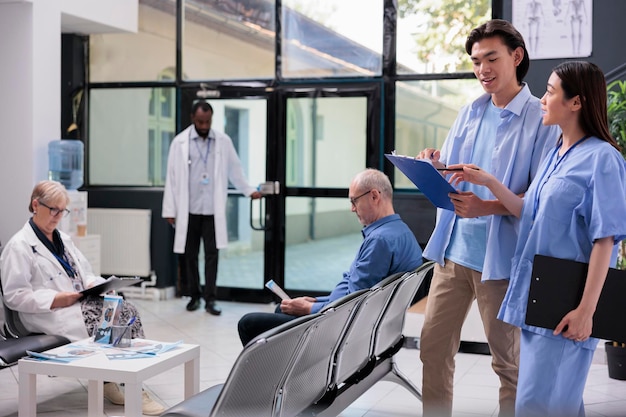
30,81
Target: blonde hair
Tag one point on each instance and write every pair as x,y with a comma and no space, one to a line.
48,192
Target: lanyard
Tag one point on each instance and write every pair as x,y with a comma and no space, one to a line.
204,157
558,161
65,264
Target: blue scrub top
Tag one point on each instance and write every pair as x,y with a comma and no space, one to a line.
581,200
522,143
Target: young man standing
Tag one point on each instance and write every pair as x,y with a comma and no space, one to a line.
501,132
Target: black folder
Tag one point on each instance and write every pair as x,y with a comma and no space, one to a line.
112,283
426,177
556,288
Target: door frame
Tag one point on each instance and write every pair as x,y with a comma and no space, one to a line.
372,90
275,210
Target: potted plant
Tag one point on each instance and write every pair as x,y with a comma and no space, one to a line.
616,107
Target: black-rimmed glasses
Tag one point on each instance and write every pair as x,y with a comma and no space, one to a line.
354,199
54,212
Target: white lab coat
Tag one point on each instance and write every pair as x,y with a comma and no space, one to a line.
176,194
32,276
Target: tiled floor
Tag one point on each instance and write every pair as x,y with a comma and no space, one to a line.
475,383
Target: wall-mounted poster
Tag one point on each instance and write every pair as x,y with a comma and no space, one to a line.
555,28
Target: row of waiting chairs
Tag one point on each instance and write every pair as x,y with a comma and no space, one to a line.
317,365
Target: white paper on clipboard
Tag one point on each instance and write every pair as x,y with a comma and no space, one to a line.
275,288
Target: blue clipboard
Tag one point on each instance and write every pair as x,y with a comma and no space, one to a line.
426,178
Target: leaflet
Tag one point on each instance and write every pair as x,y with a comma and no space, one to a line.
66,353
275,288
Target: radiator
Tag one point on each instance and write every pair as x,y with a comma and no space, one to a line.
125,240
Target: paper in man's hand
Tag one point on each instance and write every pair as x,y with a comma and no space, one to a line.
275,288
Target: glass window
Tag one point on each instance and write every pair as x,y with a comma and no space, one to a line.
325,132
332,38
425,111
241,263
231,39
137,56
431,34
319,228
129,135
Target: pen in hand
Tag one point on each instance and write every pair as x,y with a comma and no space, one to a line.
456,169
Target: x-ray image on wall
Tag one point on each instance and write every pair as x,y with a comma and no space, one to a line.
555,28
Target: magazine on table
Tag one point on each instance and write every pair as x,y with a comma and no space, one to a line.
140,348
66,353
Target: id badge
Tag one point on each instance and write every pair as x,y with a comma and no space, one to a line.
204,178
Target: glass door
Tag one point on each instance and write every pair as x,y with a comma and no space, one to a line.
242,115
329,134
306,143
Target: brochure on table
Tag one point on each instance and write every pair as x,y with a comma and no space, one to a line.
139,348
66,353
111,309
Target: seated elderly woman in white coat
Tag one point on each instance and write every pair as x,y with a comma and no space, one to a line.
42,276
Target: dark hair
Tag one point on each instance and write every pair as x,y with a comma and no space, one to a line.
201,104
509,35
586,80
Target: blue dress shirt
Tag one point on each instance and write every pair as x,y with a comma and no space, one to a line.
388,247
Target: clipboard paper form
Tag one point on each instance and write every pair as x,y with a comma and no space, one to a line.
556,288
426,178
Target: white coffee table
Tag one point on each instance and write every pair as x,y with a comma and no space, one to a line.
98,368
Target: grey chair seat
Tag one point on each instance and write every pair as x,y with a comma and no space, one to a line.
252,389
200,405
291,370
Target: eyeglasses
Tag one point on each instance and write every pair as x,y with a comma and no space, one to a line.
354,199
54,212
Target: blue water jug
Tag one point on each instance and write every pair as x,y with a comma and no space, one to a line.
65,159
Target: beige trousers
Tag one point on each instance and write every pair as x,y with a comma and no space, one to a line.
452,291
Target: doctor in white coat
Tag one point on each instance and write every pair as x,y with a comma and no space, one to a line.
33,279
200,164
43,274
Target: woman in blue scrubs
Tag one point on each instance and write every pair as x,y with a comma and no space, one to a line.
574,209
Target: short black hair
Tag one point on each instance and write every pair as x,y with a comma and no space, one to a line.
509,35
201,104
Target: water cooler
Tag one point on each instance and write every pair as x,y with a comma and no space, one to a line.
66,161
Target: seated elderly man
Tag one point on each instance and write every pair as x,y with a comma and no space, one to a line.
388,247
